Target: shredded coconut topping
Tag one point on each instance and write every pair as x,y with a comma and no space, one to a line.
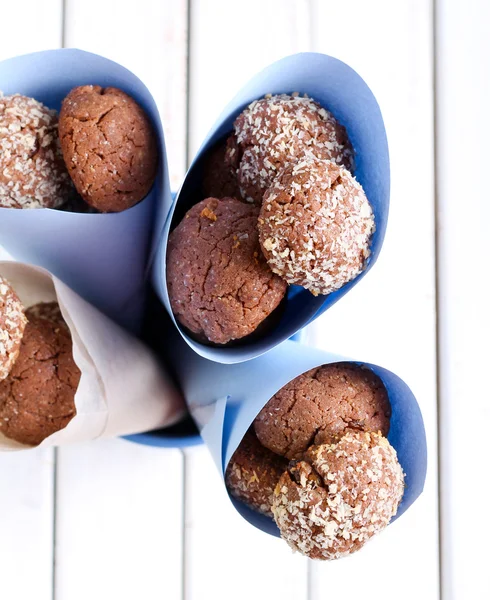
315,226
277,130
12,324
32,171
328,505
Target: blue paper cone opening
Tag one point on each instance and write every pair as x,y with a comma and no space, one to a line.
225,399
342,91
103,257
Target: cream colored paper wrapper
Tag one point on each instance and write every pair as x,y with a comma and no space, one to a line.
123,388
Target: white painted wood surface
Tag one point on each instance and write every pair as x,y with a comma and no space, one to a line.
151,523
27,479
396,325
463,129
119,515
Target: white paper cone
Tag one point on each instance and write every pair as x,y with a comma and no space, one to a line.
123,387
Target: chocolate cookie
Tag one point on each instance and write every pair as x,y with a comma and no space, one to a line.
109,147
253,472
315,226
278,130
38,397
220,170
12,325
32,171
318,406
47,310
219,284
331,503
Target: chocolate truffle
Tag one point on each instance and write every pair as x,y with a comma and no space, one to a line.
315,226
339,496
318,406
12,325
220,170
253,472
38,397
32,171
109,147
277,130
219,284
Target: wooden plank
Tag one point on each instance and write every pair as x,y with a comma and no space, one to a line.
118,522
389,318
29,26
120,505
225,557
463,125
150,39
227,47
26,523
26,499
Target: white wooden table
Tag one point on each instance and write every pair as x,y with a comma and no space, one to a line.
116,520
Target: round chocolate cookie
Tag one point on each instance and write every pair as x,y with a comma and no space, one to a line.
339,496
109,147
220,167
32,171
12,325
38,397
277,130
253,472
318,406
219,284
315,226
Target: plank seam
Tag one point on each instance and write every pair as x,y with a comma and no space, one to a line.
55,518
435,64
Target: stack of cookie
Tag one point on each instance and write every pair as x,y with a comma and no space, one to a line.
38,376
316,459
100,155
281,207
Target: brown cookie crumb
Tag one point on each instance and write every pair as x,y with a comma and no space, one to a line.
315,226
109,147
278,130
12,325
38,397
219,284
253,472
331,503
220,170
319,405
32,171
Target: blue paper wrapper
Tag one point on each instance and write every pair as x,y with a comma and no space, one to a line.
103,257
343,92
225,399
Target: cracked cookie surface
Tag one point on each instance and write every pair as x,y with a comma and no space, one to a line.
109,147
339,496
278,130
32,171
315,226
319,405
12,325
219,284
38,397
253,472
